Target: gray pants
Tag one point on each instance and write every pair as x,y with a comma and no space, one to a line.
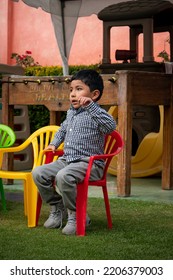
66,176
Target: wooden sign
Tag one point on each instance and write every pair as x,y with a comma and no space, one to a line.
53,92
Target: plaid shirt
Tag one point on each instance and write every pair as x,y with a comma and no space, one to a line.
83,132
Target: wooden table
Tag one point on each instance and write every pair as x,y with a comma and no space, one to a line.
144,88
124,88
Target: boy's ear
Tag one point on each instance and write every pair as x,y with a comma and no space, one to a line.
95,94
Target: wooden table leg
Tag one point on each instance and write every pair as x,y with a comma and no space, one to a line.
125,129
167,171
7,119
55,117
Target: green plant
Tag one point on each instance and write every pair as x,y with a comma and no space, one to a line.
24,60
163,54
56,70
39,116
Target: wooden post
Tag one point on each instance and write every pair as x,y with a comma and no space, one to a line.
8,119
125,129
167,172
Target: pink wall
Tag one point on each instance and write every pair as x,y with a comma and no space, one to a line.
25,28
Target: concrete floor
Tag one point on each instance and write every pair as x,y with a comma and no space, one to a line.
146,189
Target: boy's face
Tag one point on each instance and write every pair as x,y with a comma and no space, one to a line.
79,89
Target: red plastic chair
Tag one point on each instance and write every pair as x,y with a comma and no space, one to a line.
113,146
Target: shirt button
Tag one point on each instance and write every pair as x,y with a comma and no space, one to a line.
70,129
67,143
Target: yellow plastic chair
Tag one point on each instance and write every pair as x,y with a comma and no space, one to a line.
39,140
7,139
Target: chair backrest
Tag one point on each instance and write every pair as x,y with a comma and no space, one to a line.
40,139
113,146
7,136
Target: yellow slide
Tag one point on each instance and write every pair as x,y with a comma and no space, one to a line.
148,158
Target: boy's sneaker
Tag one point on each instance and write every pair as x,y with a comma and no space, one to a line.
70,228
57,214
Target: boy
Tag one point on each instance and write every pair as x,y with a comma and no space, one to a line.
83,133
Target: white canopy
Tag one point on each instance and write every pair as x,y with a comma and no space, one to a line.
64,15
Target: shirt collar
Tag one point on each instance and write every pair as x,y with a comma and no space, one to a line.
77,111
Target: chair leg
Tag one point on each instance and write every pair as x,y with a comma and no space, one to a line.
39,204
32,195
81,207
25,199
107,206
2,195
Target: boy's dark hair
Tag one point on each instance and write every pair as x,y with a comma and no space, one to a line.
91,78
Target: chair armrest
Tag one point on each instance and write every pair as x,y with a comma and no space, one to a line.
50,154
12,150
105,157
15,149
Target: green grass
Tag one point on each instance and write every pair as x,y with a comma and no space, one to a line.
141,231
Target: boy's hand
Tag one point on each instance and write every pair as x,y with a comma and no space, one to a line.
50,147
84,101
